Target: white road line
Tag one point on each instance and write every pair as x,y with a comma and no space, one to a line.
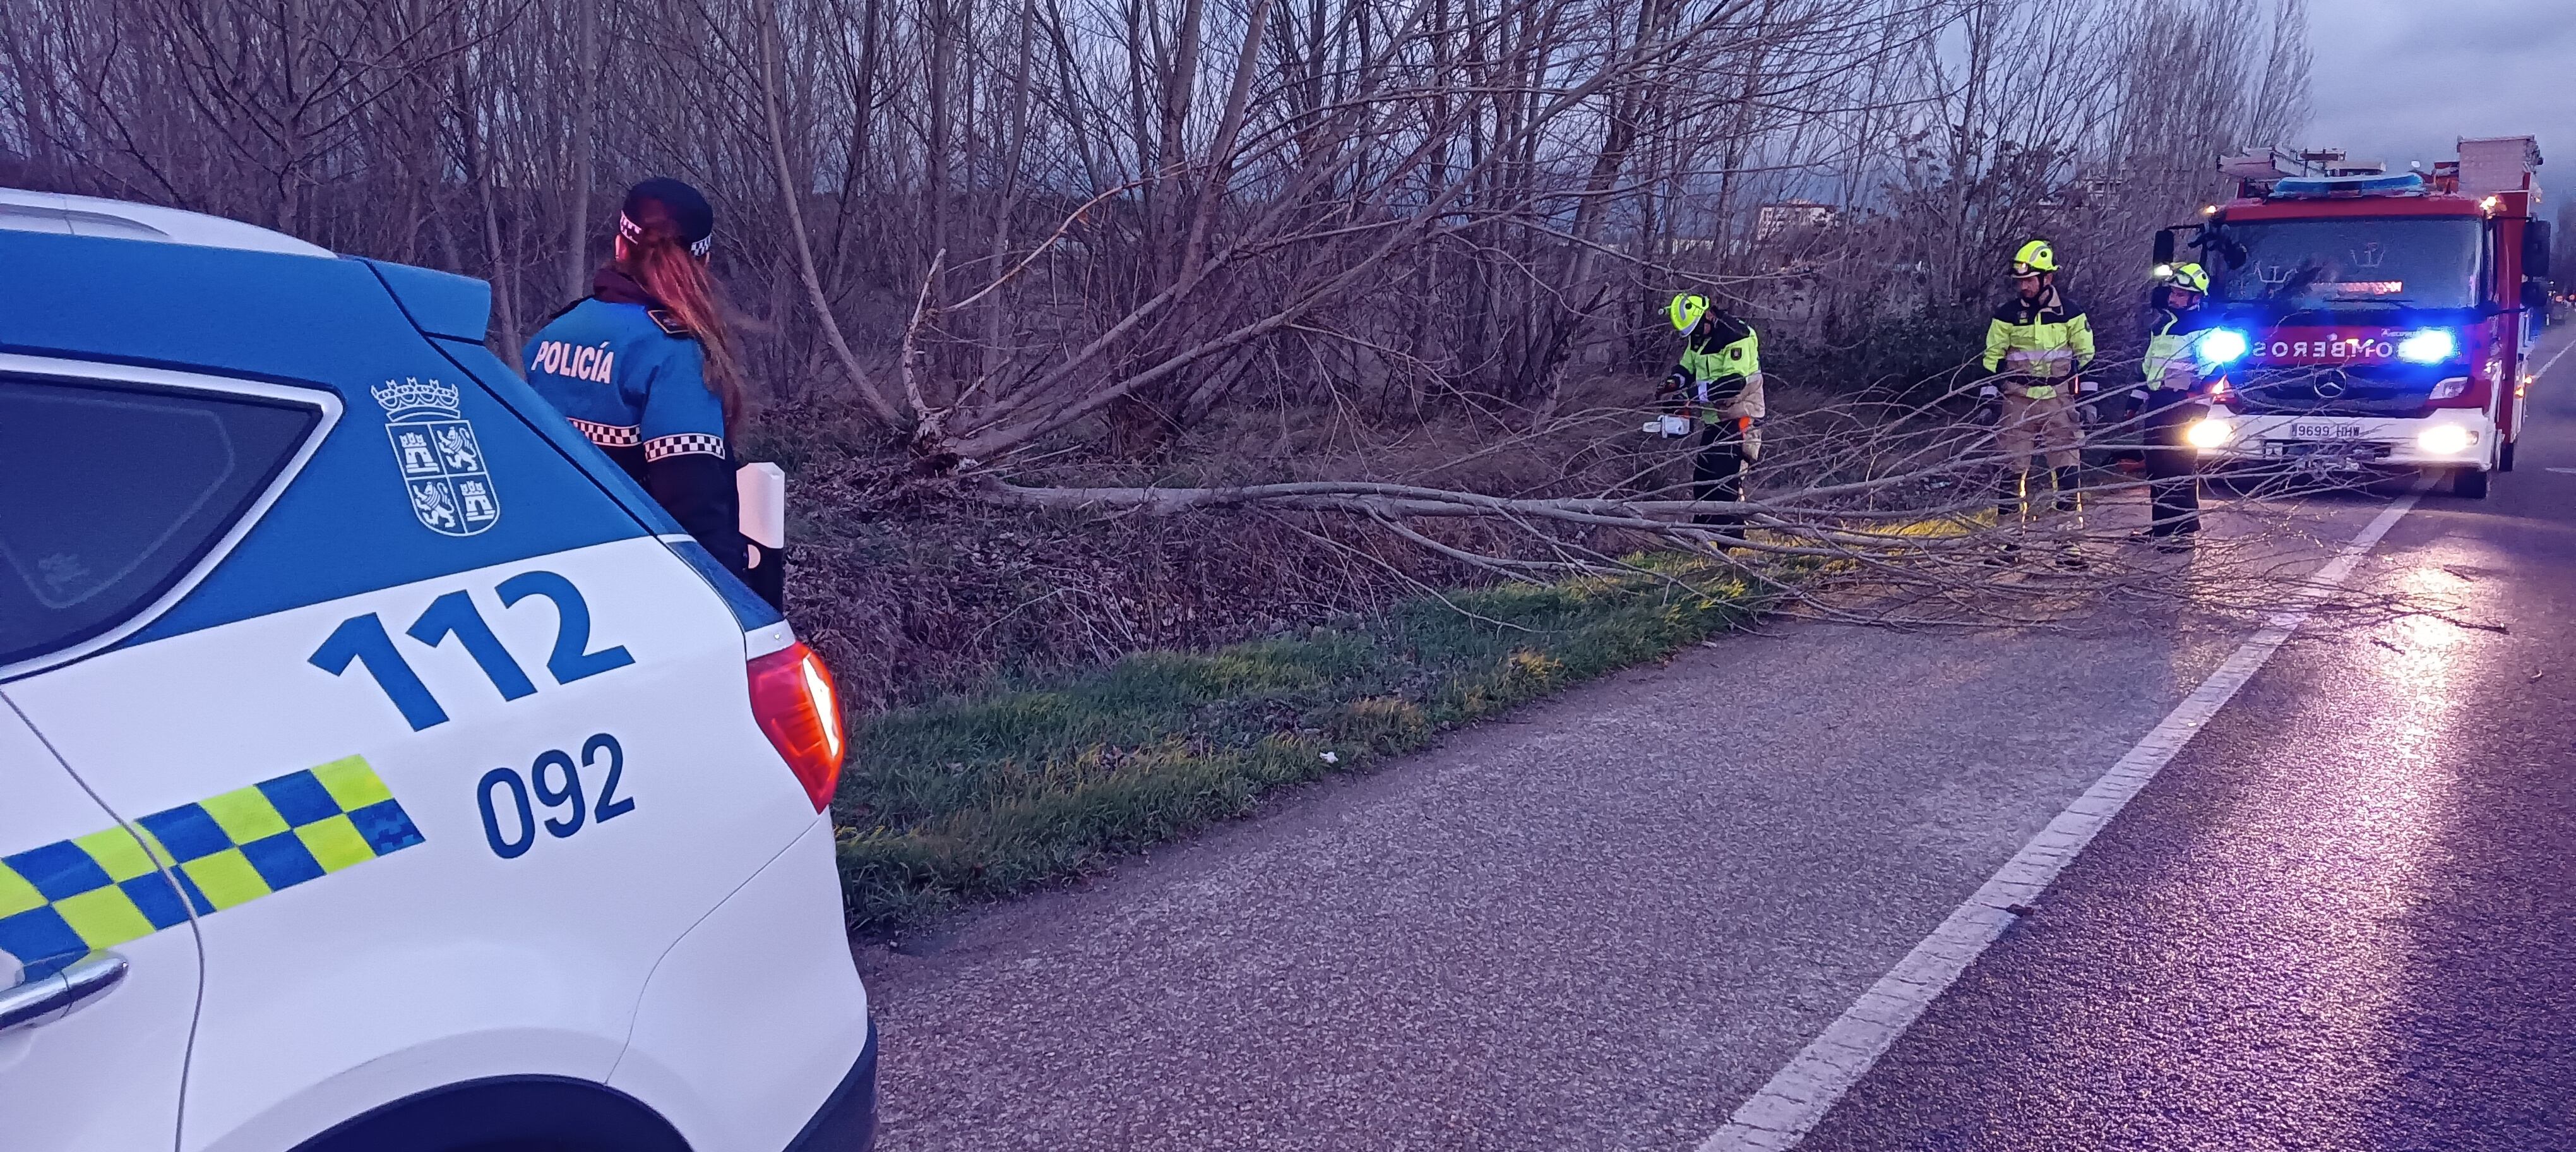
2553,362
1799,1096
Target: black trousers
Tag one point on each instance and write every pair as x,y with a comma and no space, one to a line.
1717,472
2173,465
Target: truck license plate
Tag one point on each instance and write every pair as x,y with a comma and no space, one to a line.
2324,431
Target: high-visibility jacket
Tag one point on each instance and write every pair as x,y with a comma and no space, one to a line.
2039,341
1721,369
2174,360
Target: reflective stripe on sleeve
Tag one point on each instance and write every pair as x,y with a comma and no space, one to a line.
684,444
609,435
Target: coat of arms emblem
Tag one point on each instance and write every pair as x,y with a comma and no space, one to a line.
443,470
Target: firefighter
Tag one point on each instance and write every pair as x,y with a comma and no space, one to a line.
2040,343
2175,395
644,367
1719,381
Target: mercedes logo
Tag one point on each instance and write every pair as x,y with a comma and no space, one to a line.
2329,385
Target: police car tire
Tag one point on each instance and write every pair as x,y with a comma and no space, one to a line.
506,1114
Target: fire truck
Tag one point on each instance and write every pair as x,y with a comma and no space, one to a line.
2369,320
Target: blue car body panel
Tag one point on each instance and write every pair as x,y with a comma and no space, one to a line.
347,524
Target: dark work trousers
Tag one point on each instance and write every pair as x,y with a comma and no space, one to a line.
1717,472
2173,465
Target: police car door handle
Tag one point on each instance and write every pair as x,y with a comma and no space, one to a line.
51,997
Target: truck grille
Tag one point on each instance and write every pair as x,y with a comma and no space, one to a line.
2327,390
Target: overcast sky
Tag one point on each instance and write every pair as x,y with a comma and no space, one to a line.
2401,80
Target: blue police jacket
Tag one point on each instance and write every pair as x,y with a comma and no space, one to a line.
633,381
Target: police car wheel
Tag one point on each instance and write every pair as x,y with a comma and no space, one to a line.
509,1114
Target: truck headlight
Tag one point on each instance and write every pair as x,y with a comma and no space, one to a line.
2445,439
2207,433
2430,346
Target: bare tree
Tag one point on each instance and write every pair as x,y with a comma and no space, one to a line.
1020,246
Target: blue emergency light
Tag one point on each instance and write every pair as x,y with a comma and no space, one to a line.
2430,346
2347,187
2224,346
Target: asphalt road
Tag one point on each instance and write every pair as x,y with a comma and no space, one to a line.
2344,917
1607,922
1597,926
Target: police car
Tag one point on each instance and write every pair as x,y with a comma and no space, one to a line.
380,768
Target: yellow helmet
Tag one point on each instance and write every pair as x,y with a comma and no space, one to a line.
2191,276
1686,311
2035,257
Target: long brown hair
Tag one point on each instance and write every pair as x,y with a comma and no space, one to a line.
658,260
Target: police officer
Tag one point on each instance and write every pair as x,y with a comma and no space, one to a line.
2040,342
645,369
2175,396
1719,380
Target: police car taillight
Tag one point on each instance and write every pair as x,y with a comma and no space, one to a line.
791,697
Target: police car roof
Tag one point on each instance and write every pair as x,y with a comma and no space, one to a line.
65,215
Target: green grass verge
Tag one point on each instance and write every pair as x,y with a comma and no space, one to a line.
1028,782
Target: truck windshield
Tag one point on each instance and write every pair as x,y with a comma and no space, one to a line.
2347,263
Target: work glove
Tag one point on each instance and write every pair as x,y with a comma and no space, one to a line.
1674,393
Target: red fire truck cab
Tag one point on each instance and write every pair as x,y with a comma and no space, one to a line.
2371,321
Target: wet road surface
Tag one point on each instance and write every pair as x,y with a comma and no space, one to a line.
1598,926
1606,922
2344,917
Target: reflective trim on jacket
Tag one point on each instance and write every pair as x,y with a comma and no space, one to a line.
1722,364
2174,360
1708,365
2046,339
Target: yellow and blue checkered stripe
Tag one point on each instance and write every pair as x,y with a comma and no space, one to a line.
71,897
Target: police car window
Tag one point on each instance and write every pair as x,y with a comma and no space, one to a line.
111,493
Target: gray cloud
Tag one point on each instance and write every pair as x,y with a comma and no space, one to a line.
2401,80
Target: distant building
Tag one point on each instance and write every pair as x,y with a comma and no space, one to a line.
1785,215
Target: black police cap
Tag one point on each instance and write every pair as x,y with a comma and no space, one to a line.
687,209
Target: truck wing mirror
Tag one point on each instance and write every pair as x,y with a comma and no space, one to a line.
2164,246
2535,295
2535,249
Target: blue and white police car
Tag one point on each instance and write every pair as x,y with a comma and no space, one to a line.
380,768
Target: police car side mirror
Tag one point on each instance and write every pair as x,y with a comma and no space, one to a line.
2164,246
2535,249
